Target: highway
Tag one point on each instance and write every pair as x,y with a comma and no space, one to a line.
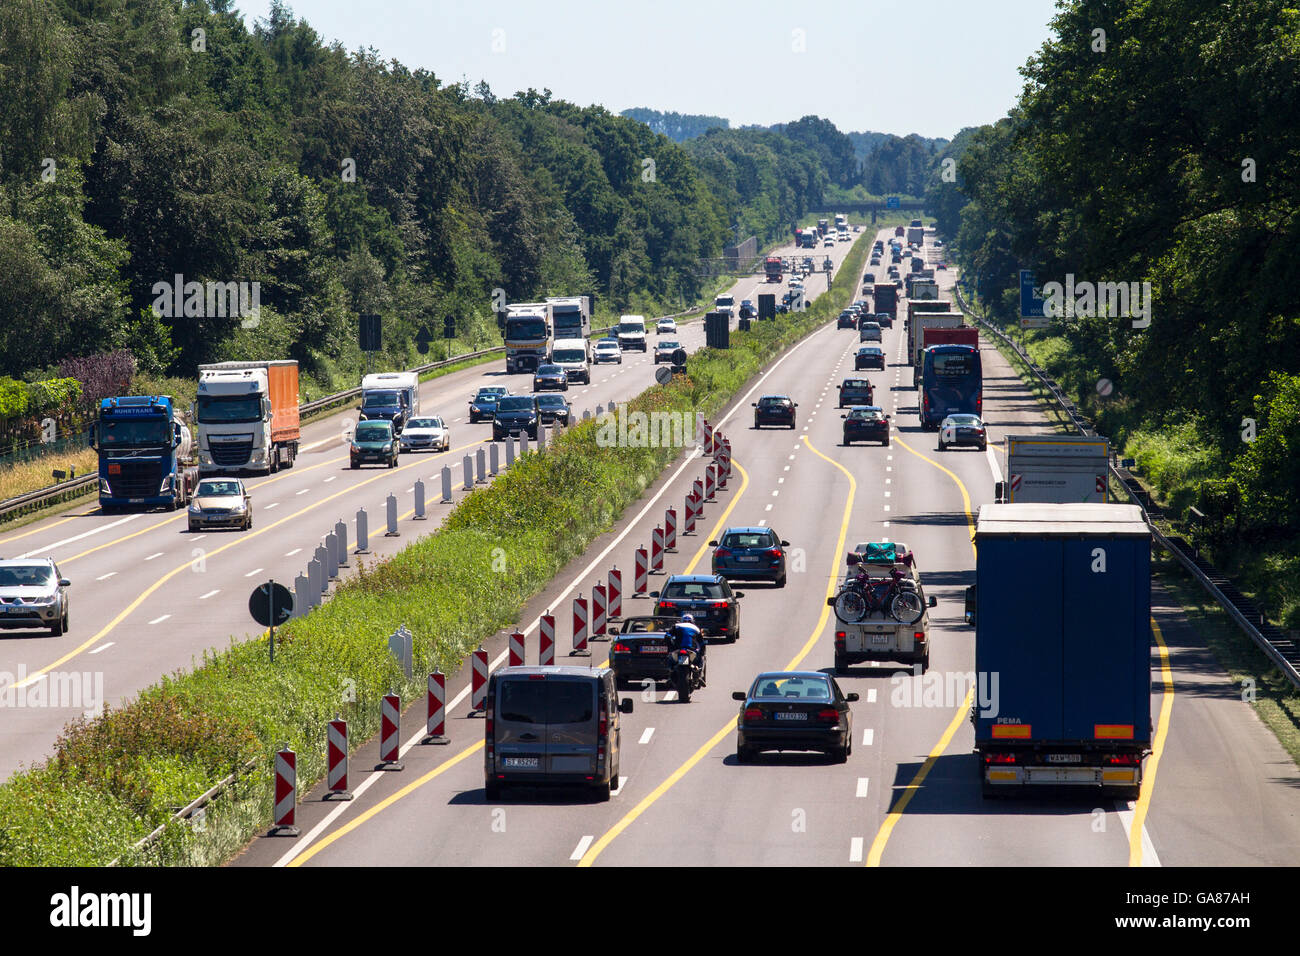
1219,791
148,597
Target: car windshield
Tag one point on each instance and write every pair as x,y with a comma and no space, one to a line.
692,590
869,350
628,327
866,415
607,345
26,576
552,401
380,399
774,401
780,686
545,701
747,539
424,423
570,355
374,431
856,383
489,394
672,344
549,370
515,403
212,489
964,419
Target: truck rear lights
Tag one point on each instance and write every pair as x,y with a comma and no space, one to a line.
1124,760
999,758
919,637
839,638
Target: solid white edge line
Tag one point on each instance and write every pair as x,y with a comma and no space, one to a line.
580,577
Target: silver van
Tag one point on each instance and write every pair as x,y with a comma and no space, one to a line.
553,725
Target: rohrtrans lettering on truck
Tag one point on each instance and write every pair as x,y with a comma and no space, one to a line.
1055,468
146,454
247,416
527,335
1062,606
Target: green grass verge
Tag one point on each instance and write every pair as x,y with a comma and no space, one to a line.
117,777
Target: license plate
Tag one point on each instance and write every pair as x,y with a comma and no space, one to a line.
653,648
879,638
745,558
135,501
792,715
520,763
1065,758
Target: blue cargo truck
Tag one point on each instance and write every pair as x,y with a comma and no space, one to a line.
146,455
1062,647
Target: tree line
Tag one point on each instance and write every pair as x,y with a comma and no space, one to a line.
1158,143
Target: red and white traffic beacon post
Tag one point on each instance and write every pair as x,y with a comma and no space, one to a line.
436,702
286,794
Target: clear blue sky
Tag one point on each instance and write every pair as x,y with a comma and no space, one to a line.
858,66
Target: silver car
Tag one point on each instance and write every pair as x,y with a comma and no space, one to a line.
222,503
33,594
425,433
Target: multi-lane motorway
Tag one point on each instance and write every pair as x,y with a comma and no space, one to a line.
148,597
1219,791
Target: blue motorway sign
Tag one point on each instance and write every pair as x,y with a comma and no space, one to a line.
1031,303
891,202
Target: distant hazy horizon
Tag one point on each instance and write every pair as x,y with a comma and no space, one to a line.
950,64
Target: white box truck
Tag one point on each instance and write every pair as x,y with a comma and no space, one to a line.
391,397
1060,469
574,356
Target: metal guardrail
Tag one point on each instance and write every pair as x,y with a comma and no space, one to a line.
43,497
1281,650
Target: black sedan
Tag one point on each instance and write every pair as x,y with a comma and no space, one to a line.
484,403
640,649
885,319
708,597
866,423
774,410
794,710
550,376
554,408
869,356
515,414
847,320
962,430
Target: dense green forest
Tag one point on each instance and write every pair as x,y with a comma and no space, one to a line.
161,139
1169,157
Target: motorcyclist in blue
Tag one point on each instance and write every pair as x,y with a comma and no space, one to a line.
686,634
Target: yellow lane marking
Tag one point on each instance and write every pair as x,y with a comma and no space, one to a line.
904,798
896,811
180,515
44,527
609,836
1157,747
109,627
384,805
411,788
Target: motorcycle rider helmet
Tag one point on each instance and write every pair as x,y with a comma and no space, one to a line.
688,618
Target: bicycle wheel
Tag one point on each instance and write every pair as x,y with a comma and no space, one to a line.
850,606
906,607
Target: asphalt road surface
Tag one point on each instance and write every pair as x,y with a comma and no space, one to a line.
148,597
1219,790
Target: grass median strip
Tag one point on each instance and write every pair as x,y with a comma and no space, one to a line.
116,777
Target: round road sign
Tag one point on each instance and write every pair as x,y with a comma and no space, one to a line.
259,604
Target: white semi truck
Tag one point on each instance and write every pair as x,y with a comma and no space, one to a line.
247,416
528,335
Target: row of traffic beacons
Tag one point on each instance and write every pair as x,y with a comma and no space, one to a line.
605,606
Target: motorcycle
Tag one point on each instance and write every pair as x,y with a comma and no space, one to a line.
687,675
